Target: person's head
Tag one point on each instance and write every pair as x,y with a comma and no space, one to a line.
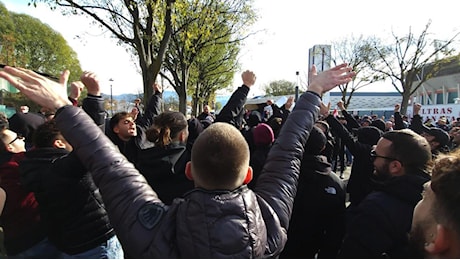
368,135
24,109
4,124
123,125
435,231
220,159
379,123
168,127
436,137
12,141
48,135
455,135
206,109
316,141
263,135
366,122
388,125
401,152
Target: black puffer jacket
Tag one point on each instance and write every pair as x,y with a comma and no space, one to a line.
70,203
217,224
378,226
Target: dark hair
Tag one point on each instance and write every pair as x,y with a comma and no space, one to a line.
444,183
117,117
46,134
411,149
3,122
166,127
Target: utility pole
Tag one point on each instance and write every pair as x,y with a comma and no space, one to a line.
111,98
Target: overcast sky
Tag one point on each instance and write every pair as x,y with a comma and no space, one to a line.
288,29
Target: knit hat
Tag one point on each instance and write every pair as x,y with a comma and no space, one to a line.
440,136
369,135
254,118
263,134
316,141
379,123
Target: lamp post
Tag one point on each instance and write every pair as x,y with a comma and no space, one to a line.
111,98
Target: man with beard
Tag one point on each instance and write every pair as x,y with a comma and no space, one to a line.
436,222
378,226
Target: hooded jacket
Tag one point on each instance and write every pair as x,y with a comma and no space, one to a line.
204,224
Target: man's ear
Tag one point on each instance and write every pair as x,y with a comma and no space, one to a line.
188,170
396,168
9,148
441,243
59,144
116,130
248,177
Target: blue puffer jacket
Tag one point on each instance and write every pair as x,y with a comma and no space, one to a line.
204,224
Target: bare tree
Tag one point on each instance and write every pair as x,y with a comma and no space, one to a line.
410,61
358,53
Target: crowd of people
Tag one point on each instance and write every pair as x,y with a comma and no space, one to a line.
239,184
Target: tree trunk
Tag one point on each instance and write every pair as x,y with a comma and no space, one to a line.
405,102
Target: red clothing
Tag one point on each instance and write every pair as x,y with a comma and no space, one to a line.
20,218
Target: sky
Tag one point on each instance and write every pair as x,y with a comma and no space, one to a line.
286,30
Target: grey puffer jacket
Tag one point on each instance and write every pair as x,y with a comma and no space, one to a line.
204,224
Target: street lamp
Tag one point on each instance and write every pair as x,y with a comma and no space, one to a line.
111,98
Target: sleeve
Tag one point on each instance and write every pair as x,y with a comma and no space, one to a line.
277,184
417,126
233,111
134,208
94,107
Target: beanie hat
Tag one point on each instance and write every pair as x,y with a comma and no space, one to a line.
316,141
369,135
440,136
263,134
379,124
254,118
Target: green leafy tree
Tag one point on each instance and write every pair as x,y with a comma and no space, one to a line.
213,70
411,60
280,88
198,25
143,27
27,42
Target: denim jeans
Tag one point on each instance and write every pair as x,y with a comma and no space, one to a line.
43,249
108,250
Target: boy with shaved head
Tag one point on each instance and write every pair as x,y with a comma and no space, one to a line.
221,217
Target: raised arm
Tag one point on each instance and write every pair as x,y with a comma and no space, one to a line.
93,104
277,185
133,207
233,111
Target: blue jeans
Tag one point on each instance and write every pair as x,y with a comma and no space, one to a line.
107,250
43,249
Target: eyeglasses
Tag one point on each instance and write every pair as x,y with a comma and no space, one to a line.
375,155
18,137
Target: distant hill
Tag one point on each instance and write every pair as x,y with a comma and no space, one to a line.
167,94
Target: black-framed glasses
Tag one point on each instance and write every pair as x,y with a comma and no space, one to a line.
18,137
375,155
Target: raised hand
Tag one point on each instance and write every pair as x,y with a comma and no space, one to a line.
249,78
324,110
41,90
289,103
327,80
341,105
157,88
76,88
91,81
397,108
